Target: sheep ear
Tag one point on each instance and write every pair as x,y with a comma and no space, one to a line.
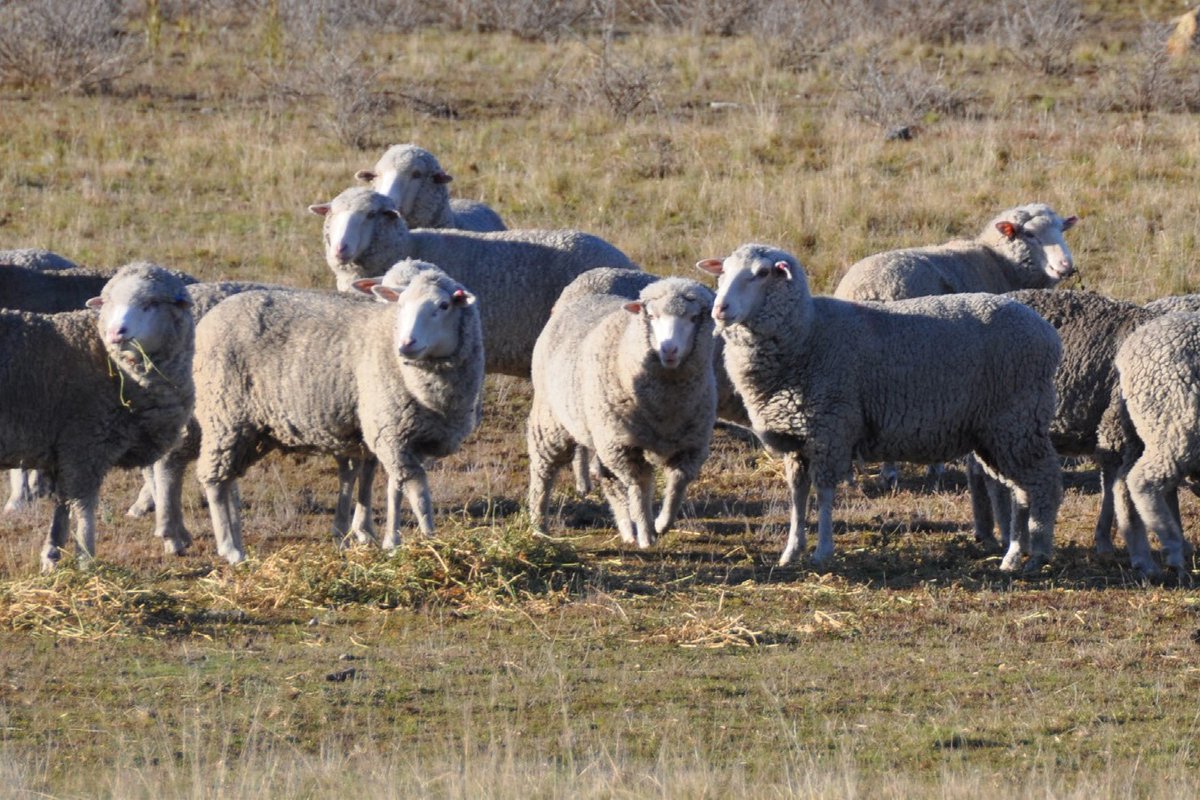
320,209
441,177
365,175
462,298
784,269
713,266
365,285
1069,222
390,212
1007,229
95,303
634,308
385,293
183,300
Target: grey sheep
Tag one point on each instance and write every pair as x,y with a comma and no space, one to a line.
418,185
118,394
399,382
35,258
828,380
630,380
516,274
1022,248
1158,368
1087,419
1174,303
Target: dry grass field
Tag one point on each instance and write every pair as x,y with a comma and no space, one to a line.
490,663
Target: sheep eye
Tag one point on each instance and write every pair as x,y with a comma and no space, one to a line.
372,214
444,305
417,175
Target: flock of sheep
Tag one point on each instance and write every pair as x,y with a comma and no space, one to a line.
963,349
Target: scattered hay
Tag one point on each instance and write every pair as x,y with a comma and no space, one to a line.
85,604
474,567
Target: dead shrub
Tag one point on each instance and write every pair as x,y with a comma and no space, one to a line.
69,45
1042,34
896,97
1150,79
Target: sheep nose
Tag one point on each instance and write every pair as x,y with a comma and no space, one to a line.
720,310
117,335
342,251
408,347
670,350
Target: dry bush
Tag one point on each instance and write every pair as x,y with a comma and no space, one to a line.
896,97
1042,34
1150,79
70,45
530,20
624,86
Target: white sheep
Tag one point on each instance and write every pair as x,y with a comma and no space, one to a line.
333,375
1159,376
827,380
517,275
1022,248
82,395
632,381
418,185
35,258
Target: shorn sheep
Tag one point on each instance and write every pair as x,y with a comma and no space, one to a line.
827,380
632,381
1158,367
399,382
521,270
419,187
83,394
1022,248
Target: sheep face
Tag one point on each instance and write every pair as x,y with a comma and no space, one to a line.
353,220
1038,231
403,173
743,280
428,316
140,309
674,319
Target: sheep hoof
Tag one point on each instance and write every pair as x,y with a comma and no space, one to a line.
140,508
1106,555
176,546
50,558
1011,561
1147,569
1034,564
235,556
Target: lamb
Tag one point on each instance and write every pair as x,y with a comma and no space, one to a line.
1087,417
365,235
826,380
35,258
119,391
630,380
1022,248
399,382
1158,368
416,182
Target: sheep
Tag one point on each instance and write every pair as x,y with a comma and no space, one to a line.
416,182
35,258
1158,369
1174,304
1087,417
630,380
119,390
1022,248
365,235
827,380
399,382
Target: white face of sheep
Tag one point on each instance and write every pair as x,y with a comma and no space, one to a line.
404,185
428,318
742,283
1043,234
134,315
350,227
673,326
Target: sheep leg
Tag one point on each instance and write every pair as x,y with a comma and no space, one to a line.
20,493
550,448
824,551
580,465
1148,490
1104,521
680,474
407,480
641,506
168,504
144,503
363,525
226,514
1133,531
84,510
981,506
347,470
799,482
889,476
617,494
56,539
1018,541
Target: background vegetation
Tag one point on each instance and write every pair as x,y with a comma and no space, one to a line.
490,663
